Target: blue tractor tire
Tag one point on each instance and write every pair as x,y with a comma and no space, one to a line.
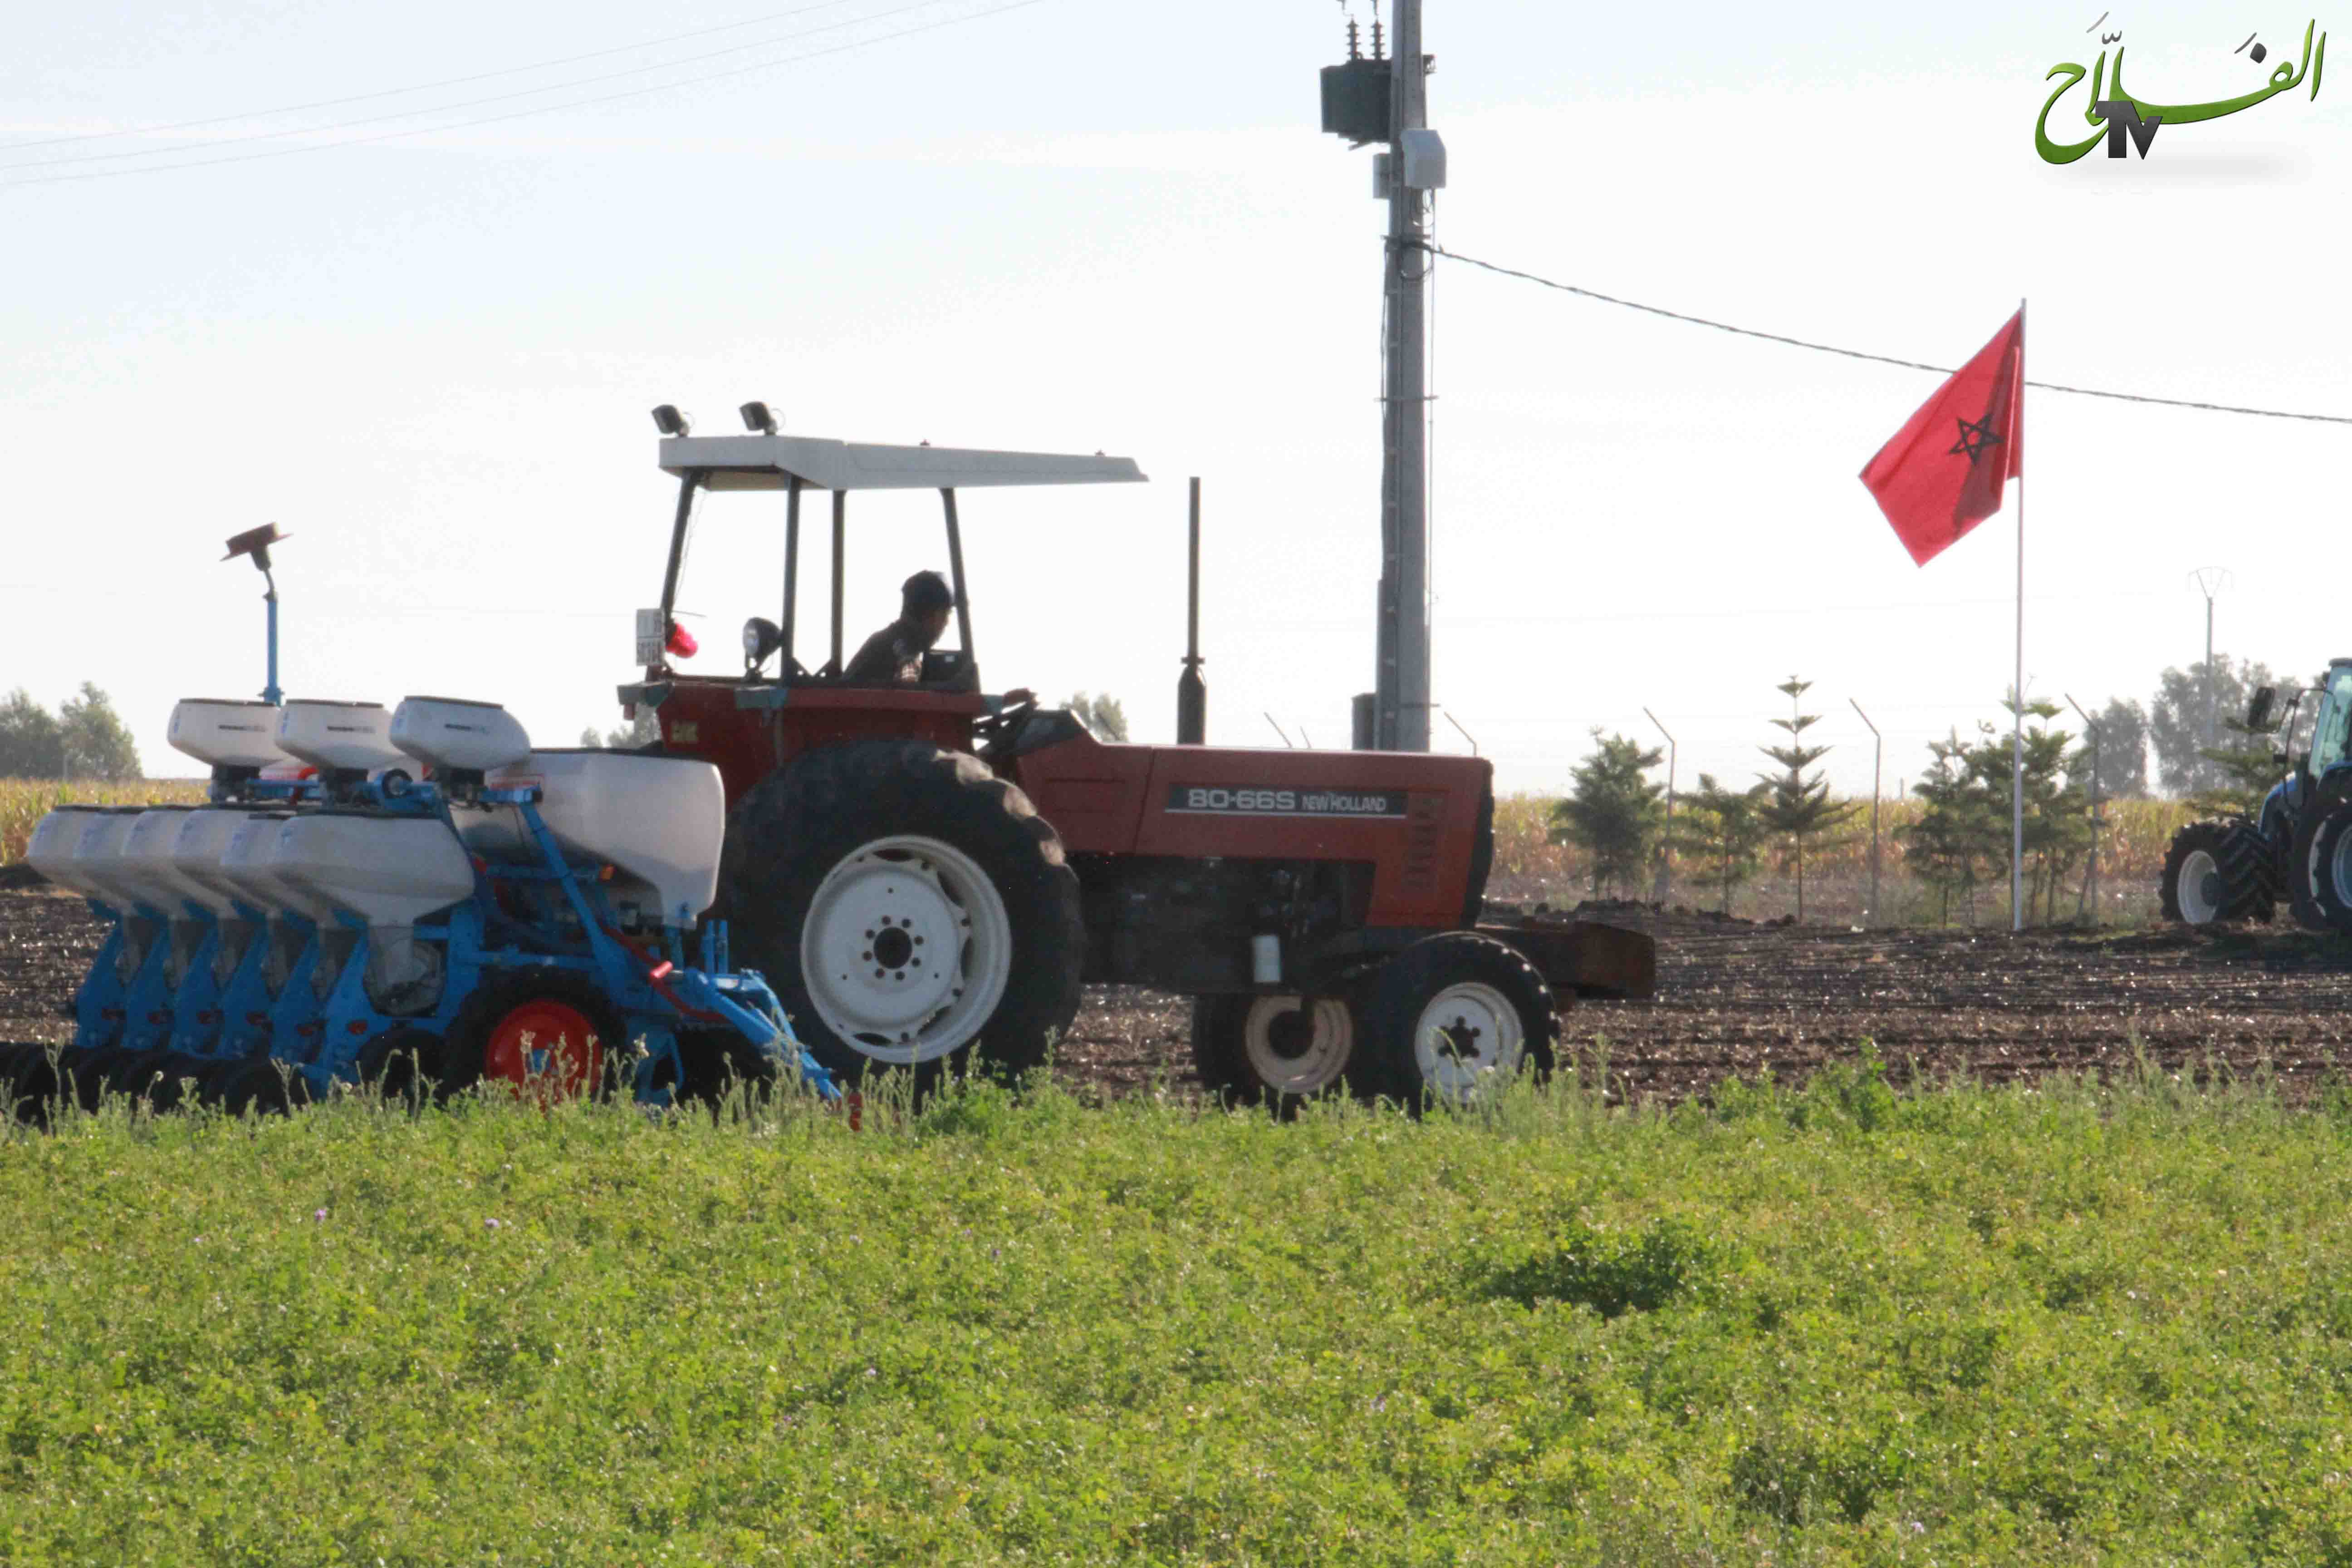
2214,874
2321,863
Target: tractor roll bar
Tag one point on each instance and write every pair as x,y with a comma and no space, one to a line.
792,463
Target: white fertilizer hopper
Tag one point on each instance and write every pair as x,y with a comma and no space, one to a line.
235,739
659,822
457,739
385,871
341,739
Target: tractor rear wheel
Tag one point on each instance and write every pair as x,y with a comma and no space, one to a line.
909,907
2213,875
1269,1050
1454,1019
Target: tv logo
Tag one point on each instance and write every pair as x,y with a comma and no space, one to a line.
2122,120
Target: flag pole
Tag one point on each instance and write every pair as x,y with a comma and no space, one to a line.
2016,691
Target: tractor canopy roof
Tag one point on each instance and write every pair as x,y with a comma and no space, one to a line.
773,462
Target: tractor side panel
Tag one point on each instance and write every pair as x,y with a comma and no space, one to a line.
700,719
704,718
1413,818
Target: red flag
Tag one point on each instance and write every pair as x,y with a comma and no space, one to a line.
1943,473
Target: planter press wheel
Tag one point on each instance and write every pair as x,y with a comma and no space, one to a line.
403,1066
539,1038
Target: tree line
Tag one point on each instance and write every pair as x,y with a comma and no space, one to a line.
1959,842
84,739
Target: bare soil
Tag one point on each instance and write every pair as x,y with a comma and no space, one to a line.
1733,998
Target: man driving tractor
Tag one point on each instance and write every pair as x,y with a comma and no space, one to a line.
894,656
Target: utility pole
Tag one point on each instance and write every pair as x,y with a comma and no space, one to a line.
2211,582
1403,673
1665,884
1877,777
1386,100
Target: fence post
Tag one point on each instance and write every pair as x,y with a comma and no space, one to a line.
1877,777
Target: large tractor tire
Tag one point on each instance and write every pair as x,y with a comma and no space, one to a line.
1272,1050
1453,1020
2213,875
2321,863
910,908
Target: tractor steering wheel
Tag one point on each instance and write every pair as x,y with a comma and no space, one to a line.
1000,732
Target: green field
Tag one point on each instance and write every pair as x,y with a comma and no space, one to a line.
2070,1325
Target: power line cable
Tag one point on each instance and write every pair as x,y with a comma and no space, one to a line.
419,87
462,103
539,108
1876,359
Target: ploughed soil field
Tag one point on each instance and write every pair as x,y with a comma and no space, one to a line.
1733,998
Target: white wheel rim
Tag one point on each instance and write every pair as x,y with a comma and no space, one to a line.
1283,1061
906,950
2341,868
2200,888
1469,1036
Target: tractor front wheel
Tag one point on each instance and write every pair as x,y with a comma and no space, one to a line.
1454,1019
2322,862
908,906
2213,875
1272,1050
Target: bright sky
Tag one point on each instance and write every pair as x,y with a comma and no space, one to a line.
1077,225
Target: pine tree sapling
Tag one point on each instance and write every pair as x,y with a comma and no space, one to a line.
1614,812
1798,808
1723,829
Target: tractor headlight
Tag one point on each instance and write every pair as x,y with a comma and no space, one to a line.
761,638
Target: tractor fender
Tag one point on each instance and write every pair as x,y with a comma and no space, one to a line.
2274,820
1584,958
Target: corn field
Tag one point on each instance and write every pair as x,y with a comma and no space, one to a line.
1529,868
24,802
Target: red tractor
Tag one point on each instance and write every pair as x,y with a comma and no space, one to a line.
923,871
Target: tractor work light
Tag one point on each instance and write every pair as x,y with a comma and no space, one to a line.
761,638
669,421
757,419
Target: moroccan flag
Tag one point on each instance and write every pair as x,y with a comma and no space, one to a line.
1943,473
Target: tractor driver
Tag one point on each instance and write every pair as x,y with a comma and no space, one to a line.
894,656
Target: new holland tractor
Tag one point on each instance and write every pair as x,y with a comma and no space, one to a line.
417,899
2239,868
926,874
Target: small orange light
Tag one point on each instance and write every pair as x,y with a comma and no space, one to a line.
604,873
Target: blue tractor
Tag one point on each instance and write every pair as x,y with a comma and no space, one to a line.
2237,869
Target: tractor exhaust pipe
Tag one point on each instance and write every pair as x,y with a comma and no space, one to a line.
1191,691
